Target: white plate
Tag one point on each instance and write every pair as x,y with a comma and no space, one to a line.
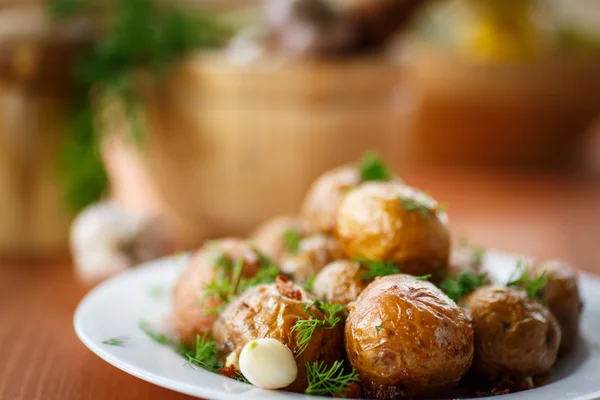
116,307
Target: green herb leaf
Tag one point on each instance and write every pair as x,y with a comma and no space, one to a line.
328,381
533,286
308,286
464,283
119,341
291,240
205,354
143,35
373,269
240,377
412,205
371,168
423,277
160,338
305,328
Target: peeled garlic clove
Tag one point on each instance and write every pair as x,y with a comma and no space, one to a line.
268,364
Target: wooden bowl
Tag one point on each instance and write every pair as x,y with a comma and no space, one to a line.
231,145
526,115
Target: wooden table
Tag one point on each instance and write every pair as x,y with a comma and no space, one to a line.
40,357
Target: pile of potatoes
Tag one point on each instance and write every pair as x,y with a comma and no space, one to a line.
400,332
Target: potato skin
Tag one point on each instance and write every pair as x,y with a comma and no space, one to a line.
514,335
561,294
270,311
324,196
405,336
339,282
373,223
314,252
190,306
269,236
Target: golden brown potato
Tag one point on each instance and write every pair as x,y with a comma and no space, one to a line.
324,196
561,295
514,335
314,252
387,221
405,337
191,306
270,236
339,282
270,311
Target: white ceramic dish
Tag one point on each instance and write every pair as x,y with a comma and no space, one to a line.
116,307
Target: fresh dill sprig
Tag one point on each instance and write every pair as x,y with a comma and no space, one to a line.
328,381
372,168
304,328
373,269
412,205
533,286
119,341
240,377
310,282
205,354
160,338
291,240
156,291
458,286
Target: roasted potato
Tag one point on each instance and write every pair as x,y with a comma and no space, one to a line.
191,305
324,196
270,311
515,335
405,337
339,282
272,236
387,221
561,295
313,253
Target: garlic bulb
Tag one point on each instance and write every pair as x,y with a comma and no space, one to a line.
105,239
268,364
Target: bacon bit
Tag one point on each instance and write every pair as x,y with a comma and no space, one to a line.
353,391
287,288
228,371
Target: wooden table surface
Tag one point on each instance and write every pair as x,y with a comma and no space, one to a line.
41,358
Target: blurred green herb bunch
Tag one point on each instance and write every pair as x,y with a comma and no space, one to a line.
135,36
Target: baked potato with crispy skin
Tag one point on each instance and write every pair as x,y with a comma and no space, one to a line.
515,335
270,311
191,305
339,282
313,253
405,337
325,194
561,295
270,236
387,221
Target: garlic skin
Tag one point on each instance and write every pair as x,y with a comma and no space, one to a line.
268,363
105,239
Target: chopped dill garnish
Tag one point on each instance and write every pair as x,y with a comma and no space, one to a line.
458,286
412,205
533,286
291,240
304,328
423,277
373,269
119,341
160,338
205,354
378,328
156,291
372,168
308,286
240,377
328,381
